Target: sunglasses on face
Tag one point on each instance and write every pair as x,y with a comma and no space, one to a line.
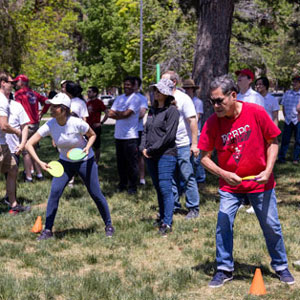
218,101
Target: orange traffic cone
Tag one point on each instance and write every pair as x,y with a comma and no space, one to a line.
38,226
257,287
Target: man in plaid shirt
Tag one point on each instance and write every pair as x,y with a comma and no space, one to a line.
292,125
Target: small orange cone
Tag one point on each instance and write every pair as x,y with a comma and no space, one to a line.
257,287
38,226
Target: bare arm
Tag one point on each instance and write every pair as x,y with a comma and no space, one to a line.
142,112
105,117
24,136
231,178
118,115
5,127
272,152
275,117
194,130
91,135
30,148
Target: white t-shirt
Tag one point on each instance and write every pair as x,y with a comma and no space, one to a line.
78,106
199,110
4,112
271,105
126,129
144,104
186,110
251,96
67,136
17,117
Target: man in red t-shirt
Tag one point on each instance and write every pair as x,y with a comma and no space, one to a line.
30,101
245,139
95,108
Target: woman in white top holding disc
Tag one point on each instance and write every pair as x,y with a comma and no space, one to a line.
68,132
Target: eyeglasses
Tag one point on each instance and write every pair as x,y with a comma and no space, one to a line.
218,101
9,81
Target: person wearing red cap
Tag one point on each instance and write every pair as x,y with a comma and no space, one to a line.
247,94
30,101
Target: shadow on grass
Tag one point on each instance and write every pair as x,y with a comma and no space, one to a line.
242,271
75,232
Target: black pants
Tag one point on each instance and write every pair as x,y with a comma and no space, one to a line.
127,161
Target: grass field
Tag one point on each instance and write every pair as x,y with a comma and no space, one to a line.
81,263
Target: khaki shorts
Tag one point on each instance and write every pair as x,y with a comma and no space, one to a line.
7,162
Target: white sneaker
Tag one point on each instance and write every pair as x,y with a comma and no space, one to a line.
296,263
142,181
241,206
250,210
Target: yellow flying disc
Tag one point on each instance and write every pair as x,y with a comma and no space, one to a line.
249,178
56,168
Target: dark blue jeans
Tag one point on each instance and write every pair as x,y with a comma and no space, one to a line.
286,137
88,171
161,171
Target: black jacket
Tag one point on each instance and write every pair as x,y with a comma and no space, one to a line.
160,132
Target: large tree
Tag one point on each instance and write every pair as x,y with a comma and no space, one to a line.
213,42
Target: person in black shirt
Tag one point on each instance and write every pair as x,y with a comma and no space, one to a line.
159,148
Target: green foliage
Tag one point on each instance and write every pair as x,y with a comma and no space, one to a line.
263,39
111,40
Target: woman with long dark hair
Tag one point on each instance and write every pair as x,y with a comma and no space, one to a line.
159,148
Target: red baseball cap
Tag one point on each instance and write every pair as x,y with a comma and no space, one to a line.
246,72
297,77
21,77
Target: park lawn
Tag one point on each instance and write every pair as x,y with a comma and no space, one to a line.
81,263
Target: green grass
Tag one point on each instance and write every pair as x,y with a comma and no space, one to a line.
81,263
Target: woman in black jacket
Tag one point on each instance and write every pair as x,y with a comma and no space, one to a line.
159,148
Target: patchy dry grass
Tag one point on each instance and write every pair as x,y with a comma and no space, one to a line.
81,263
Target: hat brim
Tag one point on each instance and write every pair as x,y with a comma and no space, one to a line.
153,86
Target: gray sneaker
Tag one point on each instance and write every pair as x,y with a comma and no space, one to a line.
45,235
109,230
192,214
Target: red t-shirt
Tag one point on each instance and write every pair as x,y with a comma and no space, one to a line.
30,101
241,145
95,108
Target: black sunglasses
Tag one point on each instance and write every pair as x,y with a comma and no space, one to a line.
218,101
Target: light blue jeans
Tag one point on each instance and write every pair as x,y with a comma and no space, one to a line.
185,172
265,208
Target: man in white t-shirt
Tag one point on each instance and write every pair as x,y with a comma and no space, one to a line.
144,107
186,142
247,94
7,162
126,110
270,103
190,89
17,119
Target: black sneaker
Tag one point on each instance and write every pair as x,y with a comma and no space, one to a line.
45,235
220,278
192,214
132,192
5,200
39,178
18,209
164,229
285,276
109,230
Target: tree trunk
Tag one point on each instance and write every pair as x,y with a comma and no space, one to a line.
212,47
